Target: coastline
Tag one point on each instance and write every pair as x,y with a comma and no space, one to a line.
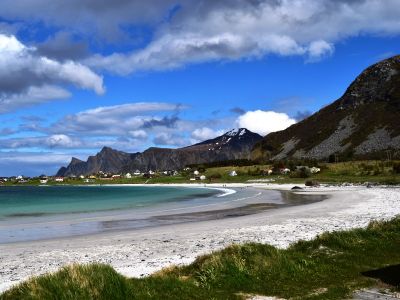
142,251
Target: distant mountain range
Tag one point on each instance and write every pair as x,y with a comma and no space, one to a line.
363,124
235,144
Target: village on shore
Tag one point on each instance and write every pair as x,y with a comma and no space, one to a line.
190,174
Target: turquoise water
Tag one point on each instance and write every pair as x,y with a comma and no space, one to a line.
44,200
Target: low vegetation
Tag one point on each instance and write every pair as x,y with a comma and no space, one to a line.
328,267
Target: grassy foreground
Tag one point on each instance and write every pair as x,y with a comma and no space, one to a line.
328,267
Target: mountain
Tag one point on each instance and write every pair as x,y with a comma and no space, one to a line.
364,123
235,144
107,160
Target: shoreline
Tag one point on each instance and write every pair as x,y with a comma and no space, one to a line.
141,252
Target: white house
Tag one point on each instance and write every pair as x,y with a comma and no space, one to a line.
285,171
196,173
43,181
128,175
232,173
59,179
315,170
137,173
203,177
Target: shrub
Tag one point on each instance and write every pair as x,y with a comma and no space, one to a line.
396,168
301,173
215,175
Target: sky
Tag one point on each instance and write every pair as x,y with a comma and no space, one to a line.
78,75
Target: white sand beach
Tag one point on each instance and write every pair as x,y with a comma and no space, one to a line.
140,252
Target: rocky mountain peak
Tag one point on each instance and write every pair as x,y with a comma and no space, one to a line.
237,132
378,83
75,160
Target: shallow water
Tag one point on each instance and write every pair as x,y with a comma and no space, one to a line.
37,213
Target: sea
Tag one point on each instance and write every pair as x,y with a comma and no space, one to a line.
30,213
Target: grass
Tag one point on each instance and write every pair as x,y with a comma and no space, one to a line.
328,267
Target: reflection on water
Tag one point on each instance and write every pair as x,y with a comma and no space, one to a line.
188,205
288,198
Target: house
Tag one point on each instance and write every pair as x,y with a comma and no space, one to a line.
203,177
116,176
92,177
151,172
315,170
192,179
232,173
43,181
285,171
128,175
20,177
59,179
267,172
82,177
196,173
137,173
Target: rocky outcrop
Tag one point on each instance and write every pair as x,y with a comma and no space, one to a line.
363,123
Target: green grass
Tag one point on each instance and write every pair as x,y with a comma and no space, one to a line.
328,267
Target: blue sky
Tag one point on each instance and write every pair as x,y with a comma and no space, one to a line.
79,75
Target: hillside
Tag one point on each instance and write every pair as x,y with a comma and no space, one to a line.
364,123
235,144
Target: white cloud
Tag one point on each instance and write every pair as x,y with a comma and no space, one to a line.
27,78
205,133
264,122
124,119
33,95
231,30
61,140
319,49
140,134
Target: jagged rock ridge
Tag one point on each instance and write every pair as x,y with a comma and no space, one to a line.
235,144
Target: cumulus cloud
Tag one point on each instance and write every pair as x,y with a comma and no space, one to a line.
264,122
205,133
231,30
27,78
